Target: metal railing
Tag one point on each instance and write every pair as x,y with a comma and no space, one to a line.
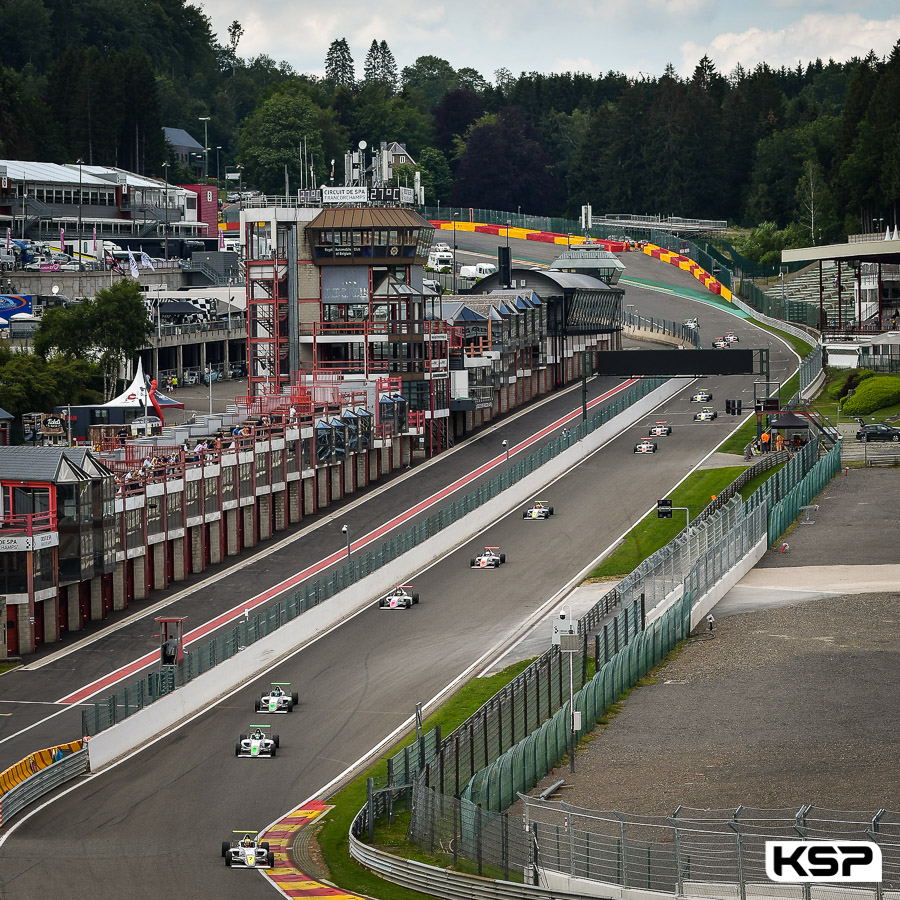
696,852
662,326
136,696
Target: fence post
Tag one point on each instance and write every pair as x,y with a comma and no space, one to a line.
643,612
479,838
370,805
504,838
390,776
484,728
457,810
739,847
606,643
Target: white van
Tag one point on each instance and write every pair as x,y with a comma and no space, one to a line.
481,270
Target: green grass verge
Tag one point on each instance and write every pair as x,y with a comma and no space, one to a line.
651,533
332,836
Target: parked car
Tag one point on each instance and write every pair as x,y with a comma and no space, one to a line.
190,378
879,432
237,370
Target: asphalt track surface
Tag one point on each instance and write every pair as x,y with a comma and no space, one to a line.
153,823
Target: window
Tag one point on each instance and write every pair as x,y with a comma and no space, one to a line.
134,530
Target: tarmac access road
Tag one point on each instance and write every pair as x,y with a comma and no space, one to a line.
157,818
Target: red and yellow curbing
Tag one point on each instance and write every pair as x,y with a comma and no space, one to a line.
289,880
688,265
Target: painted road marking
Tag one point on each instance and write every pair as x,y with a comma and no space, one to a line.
236,612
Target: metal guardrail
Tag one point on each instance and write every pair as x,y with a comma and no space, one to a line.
662,326
134,697
42,782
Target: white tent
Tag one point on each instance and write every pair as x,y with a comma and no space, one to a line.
137,394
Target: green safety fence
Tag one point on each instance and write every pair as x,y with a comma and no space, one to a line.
134,697
783,512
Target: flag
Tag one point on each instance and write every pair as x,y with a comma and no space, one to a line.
132,264
221,239
8,238
62,239
112,262
95,240
146,262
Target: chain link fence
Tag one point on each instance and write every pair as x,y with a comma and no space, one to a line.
134,697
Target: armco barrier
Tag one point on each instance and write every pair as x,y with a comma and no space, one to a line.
111,743
60,764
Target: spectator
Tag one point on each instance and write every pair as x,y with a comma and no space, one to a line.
765,441
779,442
292,415
174,382
236,431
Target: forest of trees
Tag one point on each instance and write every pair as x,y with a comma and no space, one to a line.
814,151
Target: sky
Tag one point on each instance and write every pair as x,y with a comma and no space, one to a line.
637,38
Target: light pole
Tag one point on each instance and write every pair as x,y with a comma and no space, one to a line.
346,530
205,121
209,380
166,207
508,223
218,183
505,446
455,217
78,251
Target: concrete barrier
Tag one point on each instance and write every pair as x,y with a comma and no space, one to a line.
203,691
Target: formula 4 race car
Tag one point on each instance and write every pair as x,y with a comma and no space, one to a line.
257,743
277,700
401,597
541,510
719,343
691,323
645,446
247,851
731,337
703,396
707,414
492,558
660,429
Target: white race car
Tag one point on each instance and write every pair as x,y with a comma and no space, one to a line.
277,700
247,851
719,343
703,396
731,337
645,446
402,597
541,510
440,247
691,323
492,558
660,429
258,742
707,414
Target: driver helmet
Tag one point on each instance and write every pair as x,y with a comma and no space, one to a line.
246,842
258,734
276,692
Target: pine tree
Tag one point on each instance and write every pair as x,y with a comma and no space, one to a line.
339,63
372,65
387,66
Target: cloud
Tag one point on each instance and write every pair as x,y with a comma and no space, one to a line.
814,36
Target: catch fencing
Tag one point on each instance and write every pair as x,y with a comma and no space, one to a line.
134,697
697,852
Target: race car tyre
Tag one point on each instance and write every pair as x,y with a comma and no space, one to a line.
274,752
277,740
237,749
243,737
471,563
502,558
415,598
228,859
270,859
258,705
264,845
290,705
226,846
295,698
551,510
524,515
